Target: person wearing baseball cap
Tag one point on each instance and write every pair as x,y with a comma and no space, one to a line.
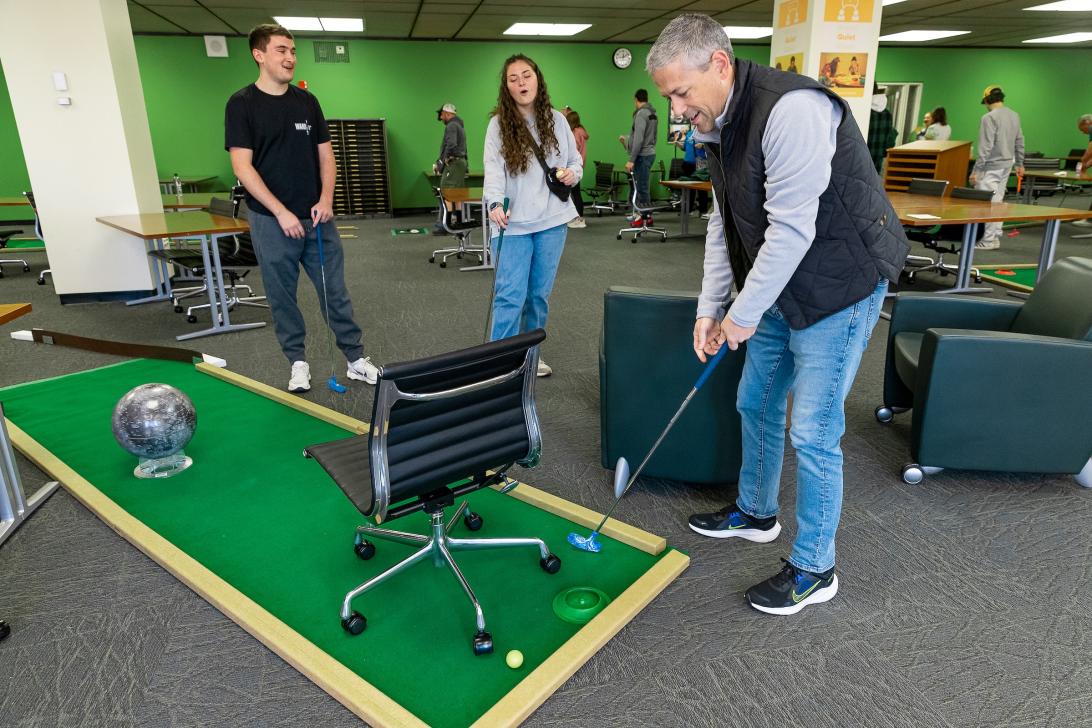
1000,150
451,163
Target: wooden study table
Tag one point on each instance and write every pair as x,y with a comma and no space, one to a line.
466,197
926,211
1067,176
190,200
15,507
687,188
155,228
189,183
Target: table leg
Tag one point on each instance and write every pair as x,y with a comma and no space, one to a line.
160,274
218,305
966,255
1047,247
14,506
487,246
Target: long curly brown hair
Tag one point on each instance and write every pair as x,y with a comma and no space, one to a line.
516,139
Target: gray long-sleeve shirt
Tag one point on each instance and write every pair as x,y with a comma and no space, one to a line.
798,144
531,207
1000,140
642,138
454,143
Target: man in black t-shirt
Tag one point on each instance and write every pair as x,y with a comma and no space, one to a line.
281,152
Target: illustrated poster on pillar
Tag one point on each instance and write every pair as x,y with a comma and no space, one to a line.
792,12
790,62
848,11
844,73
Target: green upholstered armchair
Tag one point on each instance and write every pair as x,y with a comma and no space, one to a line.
996,385
646,367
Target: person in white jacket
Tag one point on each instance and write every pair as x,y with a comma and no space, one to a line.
536,222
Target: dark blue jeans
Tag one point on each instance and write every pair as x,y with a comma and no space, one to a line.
280,258
641,169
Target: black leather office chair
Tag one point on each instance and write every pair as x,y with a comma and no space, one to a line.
441,427
602,193
5,236
1039,187
933,188
948,239
452,224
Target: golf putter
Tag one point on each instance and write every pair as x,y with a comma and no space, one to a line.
332,382
493,285
623,481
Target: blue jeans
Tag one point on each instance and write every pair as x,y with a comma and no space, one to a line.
641,169
526,268
817,364
280,258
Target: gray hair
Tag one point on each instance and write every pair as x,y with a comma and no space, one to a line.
693,38
1086,119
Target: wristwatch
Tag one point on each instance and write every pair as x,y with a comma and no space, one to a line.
495,205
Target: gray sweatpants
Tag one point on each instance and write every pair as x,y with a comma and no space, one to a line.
993,180
280,258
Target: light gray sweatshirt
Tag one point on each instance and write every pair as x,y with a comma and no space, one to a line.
798,144
1000,140
531,207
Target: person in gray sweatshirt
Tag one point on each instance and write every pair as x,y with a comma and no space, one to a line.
1000,150
536,220
641,147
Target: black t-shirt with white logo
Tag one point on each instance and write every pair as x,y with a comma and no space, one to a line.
284,133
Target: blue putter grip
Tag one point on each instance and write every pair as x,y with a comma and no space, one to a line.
711,365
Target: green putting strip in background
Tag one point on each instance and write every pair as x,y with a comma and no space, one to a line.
1022,275
272,524
27,244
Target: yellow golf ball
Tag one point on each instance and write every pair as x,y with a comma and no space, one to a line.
514,658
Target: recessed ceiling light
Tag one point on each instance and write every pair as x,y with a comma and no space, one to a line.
1066,6
355,25
293,23
546,28
917,36
1067,38
747,31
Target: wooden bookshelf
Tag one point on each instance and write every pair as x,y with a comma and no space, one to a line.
927,160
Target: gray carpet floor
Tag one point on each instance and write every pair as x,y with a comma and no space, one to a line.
964,601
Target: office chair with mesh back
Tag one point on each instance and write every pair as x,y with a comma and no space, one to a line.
1038,187
645,213
949,238
933,188
602,193
5,236
462,230
441,427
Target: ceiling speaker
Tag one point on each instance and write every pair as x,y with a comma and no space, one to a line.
216,46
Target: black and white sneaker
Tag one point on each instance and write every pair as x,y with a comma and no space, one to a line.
791,589
730,522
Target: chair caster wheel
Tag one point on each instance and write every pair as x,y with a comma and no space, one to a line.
364,549
26,269
178,309
443,264
41,281
473,521
483,643
884,414
912,474
978,279
355,624
191,318
663,239
943,273
551,564
619,237
459,256
432,260
634,241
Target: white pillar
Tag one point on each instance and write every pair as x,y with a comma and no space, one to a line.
818,35
91,157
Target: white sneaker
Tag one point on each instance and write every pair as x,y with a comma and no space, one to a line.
1083,223
578,222
544,369
300,381
363,370
987,245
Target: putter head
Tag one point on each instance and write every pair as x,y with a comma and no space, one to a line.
621,477
335,387
585,543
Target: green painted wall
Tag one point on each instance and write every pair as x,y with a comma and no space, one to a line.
1050,89
406,81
